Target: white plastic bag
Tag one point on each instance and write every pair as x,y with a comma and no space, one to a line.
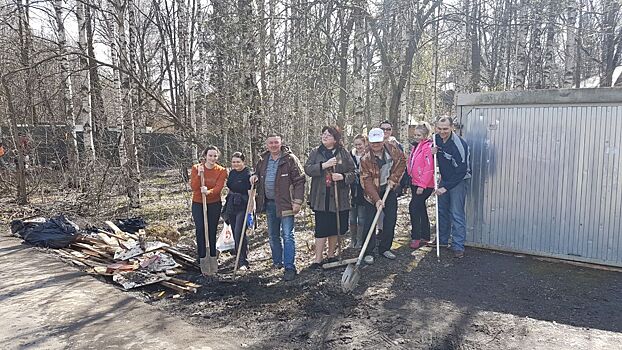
225,241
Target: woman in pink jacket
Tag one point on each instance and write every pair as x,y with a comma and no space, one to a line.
420,168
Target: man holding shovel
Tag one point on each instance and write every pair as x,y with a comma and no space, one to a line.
382,165
280,194
452,154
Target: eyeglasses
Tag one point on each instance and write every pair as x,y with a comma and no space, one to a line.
386,129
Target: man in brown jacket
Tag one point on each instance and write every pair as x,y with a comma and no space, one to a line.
280,194
382,165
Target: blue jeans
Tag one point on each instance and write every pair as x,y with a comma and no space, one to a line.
451,216
281,232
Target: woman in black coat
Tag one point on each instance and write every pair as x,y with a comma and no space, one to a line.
239,186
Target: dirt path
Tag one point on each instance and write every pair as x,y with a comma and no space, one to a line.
46,304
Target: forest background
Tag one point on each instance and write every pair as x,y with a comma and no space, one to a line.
90,86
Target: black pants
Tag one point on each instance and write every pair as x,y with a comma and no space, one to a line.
237,222
419,220
385,239
213,215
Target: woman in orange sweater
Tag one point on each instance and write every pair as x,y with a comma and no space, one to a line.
215,177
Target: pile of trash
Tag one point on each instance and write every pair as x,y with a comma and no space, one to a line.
121,251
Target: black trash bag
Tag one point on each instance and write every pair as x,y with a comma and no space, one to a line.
131,225
56,232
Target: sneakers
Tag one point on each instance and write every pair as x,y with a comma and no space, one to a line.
277,266
415,244
368,259
389,255
459,254
289,274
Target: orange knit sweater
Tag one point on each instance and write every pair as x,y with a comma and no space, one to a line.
214,180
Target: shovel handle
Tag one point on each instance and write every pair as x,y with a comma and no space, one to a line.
251,198
373,227
338,218
205,221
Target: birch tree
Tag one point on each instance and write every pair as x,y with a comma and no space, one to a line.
67,101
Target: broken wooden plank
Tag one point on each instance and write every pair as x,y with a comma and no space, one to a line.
111,241
184,283
119,232
93,249
185,257
178,288
339,263
112,234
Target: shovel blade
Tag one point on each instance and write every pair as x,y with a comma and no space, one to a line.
350,278
209,265
213,264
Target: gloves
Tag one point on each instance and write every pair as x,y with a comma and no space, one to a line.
204,189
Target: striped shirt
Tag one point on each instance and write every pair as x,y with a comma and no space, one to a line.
271,176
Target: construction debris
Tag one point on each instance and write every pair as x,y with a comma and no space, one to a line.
128,257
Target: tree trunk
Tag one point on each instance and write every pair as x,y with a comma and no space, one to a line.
476,56
609,61
84,111
549,47
251,99
358,81
22,195
536,71
130,163
521,47
346,30
98,116
571,45
66,88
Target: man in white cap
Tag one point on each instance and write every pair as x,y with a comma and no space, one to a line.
382,165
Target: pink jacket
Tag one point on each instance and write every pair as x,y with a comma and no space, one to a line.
421,165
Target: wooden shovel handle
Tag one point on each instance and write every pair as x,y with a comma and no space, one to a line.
205,221
251,198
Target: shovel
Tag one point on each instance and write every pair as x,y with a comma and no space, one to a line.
352,274
438,247
209,264
338,219
251,198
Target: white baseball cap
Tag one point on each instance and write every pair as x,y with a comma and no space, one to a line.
375,135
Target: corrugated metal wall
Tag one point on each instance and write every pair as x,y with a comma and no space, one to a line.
547,179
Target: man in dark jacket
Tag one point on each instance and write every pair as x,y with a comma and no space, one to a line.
280,194
452,154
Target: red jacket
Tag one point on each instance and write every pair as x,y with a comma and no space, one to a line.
420,165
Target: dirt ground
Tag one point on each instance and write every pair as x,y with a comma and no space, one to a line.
487,300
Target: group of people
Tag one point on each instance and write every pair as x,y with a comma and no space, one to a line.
347,190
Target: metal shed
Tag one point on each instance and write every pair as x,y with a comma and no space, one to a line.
547,172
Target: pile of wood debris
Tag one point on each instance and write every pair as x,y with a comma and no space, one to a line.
130,259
